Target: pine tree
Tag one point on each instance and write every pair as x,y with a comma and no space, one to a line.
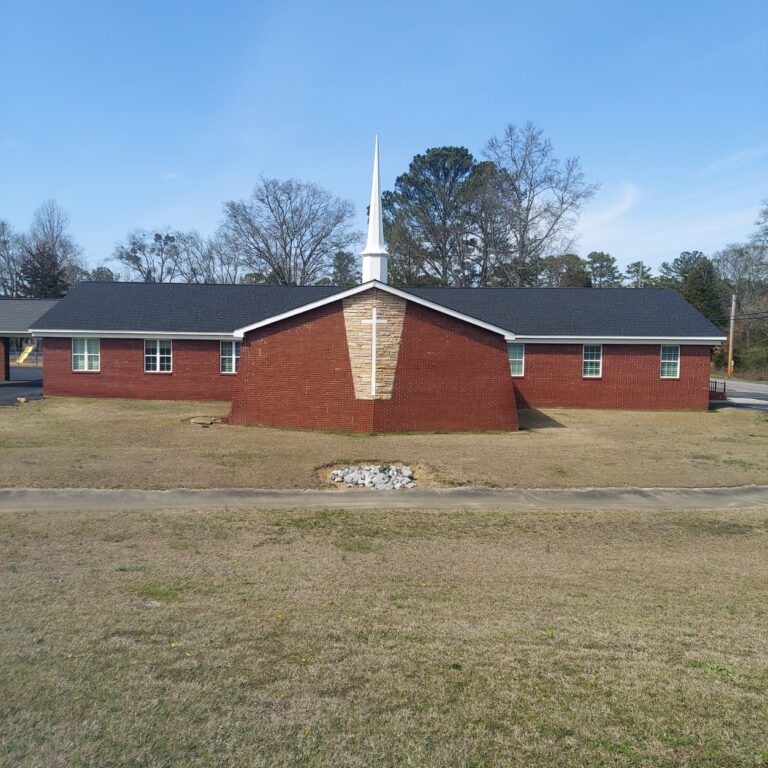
344,269
638,275
576,277
602,270
672,275
701,288
43,275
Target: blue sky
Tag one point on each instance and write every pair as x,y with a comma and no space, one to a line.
150,114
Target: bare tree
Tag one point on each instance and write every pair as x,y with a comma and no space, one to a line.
151,256
288,231
49,233
50,227
542,197
206,259
744,267
11,254
488,223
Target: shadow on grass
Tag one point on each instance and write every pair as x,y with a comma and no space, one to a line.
530,418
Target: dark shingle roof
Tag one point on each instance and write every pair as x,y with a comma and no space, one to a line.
17,316
170,307
577,311
220,309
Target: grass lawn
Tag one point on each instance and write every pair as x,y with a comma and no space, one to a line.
264,638
73,442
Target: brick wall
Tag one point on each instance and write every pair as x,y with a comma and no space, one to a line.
195,373
630,378
449,376
296,373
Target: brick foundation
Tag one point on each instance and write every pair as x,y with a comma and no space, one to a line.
195,373
630,378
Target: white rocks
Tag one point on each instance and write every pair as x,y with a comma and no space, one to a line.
380,477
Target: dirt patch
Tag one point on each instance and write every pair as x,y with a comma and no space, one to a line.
424,475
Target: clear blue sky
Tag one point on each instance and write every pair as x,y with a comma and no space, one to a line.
150,114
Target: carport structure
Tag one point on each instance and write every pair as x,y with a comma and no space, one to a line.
17,316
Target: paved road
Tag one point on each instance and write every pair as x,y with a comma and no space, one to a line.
25,381
738,390
83,499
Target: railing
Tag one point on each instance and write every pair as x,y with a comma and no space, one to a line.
717,390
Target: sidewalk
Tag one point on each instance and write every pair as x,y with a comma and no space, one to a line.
84,499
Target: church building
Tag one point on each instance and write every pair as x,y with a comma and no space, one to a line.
376,358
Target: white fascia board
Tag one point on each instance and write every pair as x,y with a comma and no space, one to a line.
240,332
709,341
90,334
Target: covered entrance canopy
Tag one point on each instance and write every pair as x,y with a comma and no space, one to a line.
17,316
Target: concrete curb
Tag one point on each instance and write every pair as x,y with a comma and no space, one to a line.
91,499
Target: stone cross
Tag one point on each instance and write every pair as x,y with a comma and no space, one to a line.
373,322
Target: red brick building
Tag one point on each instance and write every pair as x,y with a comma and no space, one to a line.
444,359
375,358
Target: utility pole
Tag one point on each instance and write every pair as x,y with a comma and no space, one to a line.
730,336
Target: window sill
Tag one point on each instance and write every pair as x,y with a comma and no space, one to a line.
158,373
592,378
74,371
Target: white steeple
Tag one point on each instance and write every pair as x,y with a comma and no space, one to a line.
375,254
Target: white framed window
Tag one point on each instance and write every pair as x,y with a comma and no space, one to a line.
670,361
516,354
230,356
86,355
158,356
592,361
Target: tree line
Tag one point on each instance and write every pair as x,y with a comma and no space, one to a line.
505,219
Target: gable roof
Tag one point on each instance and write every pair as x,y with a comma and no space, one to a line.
17,316
375,285
188,310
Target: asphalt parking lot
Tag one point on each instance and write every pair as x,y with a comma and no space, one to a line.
26,381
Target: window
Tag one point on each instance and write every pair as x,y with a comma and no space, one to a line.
230,356
157,356
670,362
516,354
592,365
86,355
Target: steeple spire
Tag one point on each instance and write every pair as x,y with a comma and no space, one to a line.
375,254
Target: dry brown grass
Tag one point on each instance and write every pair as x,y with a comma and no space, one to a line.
142,444
263,638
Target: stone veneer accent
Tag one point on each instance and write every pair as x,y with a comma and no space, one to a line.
358,308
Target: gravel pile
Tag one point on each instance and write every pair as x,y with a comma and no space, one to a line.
380,477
